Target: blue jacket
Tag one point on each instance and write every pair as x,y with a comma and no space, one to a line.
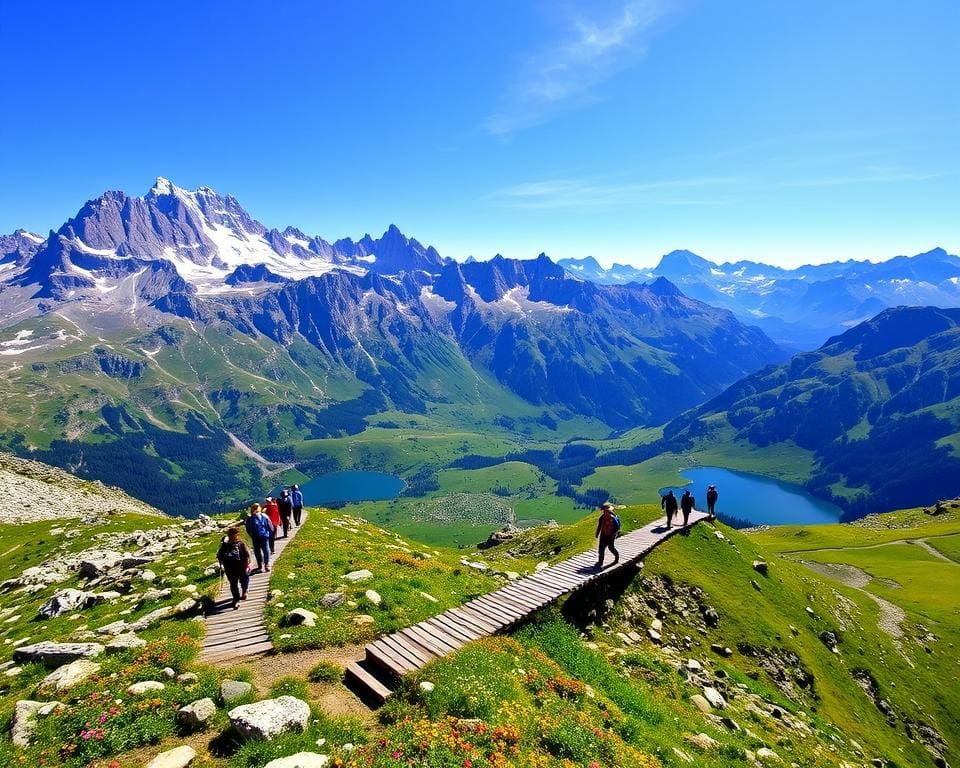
259,527
296,498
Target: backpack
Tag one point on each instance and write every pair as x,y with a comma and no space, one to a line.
232,553
611,526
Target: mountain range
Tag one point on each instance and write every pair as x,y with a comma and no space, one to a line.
173,326
798,308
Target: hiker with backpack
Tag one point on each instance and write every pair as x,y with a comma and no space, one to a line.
260,529
712,497
668,503
296,499
272,511
608,526
234,559
286,509
686,504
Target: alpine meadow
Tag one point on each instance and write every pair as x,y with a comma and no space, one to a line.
633,441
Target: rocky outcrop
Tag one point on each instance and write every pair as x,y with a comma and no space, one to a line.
271,717
56,654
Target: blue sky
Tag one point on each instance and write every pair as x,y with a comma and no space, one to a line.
778,130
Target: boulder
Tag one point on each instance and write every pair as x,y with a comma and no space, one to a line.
187,605
332,600
355,576
654,636
57,654
64,601
188,678
702,741
363,619
270,717
300,760
765,755
24,722
135,561
694,666
144,687
69,675
711,616
426,686
148,620
118,628
701,703
231,690
713,696
829,639
299,616
178,757
760,567
541,566
124,643
194,715
373,596
97,562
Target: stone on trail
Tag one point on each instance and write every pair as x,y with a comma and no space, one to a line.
354,576
69,675
179,757
299,616
57,654
300,760
270,717
373,596
146,686
125,642
193,716
231,690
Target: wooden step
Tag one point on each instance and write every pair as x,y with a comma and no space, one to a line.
366,684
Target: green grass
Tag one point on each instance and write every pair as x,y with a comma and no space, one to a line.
948,546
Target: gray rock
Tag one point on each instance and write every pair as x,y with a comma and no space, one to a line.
148,575
24,722
188,678
355,576
195,715
69,675
231,690
65,601
694,666
760,567
373,596
57,654
300,760
144,687
332,600
765,755
187,605
124,643
96,562
711,616
701,703
702,741
118,627
299,616
134,561
270,717
150,619
713,696
829,639
178,757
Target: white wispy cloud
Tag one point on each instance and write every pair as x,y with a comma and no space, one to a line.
873,175
560,75
580,193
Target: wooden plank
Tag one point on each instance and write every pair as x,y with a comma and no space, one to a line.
425,648
493,613
379,656
250,650
534,594
244,639
234,628
517,593
470,627
405,649
518,599
498,609
368,681
451,627
386,650
440,643
473,618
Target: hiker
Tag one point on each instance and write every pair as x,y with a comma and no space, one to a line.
296,499
686,504
286,509
607,528
260,528
712,497
234,558
669,503
273,512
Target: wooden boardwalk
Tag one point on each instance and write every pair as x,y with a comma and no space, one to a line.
233,634
392,656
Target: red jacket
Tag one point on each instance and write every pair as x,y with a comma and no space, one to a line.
273,512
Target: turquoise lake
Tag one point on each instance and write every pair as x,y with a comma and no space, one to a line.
342,487
757,499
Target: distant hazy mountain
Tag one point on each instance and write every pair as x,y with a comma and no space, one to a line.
177,313
877,407
798,308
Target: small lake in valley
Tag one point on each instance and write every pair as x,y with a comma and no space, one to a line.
343,487
756,499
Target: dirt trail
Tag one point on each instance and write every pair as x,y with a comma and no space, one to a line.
924,544
891,616
267,467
